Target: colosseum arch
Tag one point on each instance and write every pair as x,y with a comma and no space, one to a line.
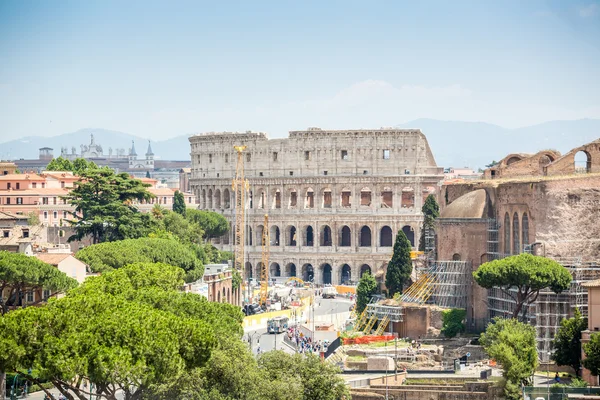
309,198
410,234
290,269
275,270
203,199
276,199
408,197
210,199
365,268
525,229
217,198
387,198
327,198
257,271
326,238
364,238
386,237
275,235
259,234
516,234
346,198
291,236
226,198
345,237
327,274
309,236
292,198
262,199
365,197
346,274
248,270
249,240
308,273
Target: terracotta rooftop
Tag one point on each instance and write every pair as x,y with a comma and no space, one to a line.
52,259
22,177
591,284
5,215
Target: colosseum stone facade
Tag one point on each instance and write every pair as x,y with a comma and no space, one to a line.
335,199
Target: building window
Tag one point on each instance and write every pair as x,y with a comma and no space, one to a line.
5,233
8,200
344,154
291,173
324,172
386,154
307,155
64,214
46,294
226,158
18,185
260,174
19,200
210,158
25,233
34,185
44,200
8,185
43,185
30,296
217,174
45,214
55,214
54,201
274,156
62,184
365,172
248,157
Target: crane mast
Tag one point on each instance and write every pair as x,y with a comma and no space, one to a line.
264,270
240,187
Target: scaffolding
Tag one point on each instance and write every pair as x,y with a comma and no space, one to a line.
443,283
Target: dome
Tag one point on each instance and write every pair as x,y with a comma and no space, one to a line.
470,205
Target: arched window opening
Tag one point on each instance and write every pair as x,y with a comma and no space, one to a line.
583,162
525,229
387,198
326,236
250,199
345,239
516,234
249,236
310,237
224,295
210,199
248,270
217,198
259,235
364,269
456,257
410,234
309,201
291,237
262,198
274,235
385,237
308,274
226,198
327,199
277,199
326,274
203,198
365,197
293,199
408,197
346,198
506,234
258,272
346,277
365,236
290,269
545,160
275,270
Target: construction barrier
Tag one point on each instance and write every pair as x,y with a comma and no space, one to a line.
342,289
367,339
261,319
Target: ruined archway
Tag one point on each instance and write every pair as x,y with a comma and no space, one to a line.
345,237
346,277
386,237
326,274
365,236
326,239
583,162
308,273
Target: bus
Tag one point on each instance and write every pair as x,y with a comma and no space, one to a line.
277,324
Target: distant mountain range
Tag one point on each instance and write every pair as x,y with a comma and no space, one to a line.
454,143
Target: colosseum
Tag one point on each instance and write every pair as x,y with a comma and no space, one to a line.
335,199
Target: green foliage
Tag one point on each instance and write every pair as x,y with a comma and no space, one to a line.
400,266
126,330
493,163
179,203
578,383
59,164
236,279
527,273
367,287
113,255
103,207
567,342
453,322
431,211
33,218
592,354
20,273
513,345
185,230
213,224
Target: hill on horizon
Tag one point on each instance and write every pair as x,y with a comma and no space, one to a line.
453,143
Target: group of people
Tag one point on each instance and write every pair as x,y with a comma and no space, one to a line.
305,344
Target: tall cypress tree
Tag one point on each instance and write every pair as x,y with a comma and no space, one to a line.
400,266
179,203
431,210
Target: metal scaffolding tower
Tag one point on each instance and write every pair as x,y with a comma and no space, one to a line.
443,283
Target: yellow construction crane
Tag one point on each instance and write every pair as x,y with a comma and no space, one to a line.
264,271
240,187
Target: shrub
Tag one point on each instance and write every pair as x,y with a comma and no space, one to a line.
453,322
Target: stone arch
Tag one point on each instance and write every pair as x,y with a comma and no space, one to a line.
293,198
513,160
262,199
326,238
259,234
274,235
346,274
327,274
410,234
249,240
364,238
544,161
345,237
210,199
525,229
226,198
203,198
456,257
224,298
408,197
386,238
583,162
275,270
387,197
327,198
248,270
309,198
365,268
308,273
309,236
290,269
276,199
365,197
516,234
258,271
291,236
217,198
506,234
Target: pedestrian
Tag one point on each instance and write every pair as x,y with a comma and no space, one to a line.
258,350
557,378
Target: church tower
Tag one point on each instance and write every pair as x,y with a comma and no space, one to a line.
149,157
132,156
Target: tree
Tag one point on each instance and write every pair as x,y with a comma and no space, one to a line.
103,206
20,273
59,164
522,277
138,333
33,219
592,354
453,322
104,257
400,266
367,286
493,163
513,345
185,230
81,165
148,174
213,224
567,342
431,211
179,203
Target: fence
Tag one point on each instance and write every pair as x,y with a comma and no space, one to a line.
556,392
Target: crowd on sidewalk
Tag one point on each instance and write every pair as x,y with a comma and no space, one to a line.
304,344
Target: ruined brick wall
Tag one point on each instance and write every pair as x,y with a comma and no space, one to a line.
415,322
566,164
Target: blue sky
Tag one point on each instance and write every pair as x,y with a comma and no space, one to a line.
160,69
